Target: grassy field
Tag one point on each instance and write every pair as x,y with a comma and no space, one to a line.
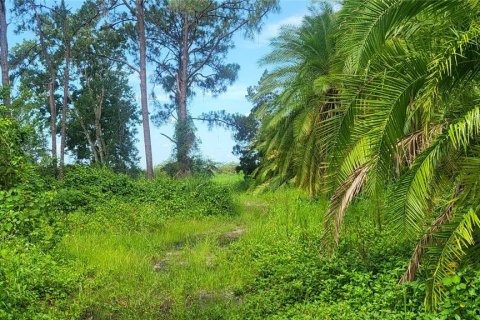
260,261
104,246
186,268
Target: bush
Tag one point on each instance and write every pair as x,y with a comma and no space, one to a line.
34,284
194,196
294,282
30,216
462,299
88,189
13,166
198,167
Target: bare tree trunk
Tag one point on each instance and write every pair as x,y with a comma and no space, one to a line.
182,108
184,133
98,128
140,15
4,51
53,115
63,132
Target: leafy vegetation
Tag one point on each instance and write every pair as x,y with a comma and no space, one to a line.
382,95
359,196
41,278
115,252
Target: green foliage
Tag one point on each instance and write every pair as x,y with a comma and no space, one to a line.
13,165
383,95
198,166
375,106
39,279
96,189
103,129
116,246
295,282
35,284
462,296
30,216
291,141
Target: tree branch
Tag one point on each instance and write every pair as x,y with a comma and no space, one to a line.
132,67
169,138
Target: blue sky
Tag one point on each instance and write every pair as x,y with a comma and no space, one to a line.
216,144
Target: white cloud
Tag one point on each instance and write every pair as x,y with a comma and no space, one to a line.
272,30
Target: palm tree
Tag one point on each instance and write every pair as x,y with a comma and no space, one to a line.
410,116
384,95
288,139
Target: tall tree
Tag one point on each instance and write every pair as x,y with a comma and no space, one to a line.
136,9
140,15
188,42
37,18
56,28
102,127
66,39
71,26
104,111
4,52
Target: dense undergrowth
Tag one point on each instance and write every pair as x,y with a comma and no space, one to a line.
105,246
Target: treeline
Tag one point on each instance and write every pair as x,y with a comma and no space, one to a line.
70,76
380,99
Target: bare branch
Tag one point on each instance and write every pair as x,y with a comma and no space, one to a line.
121,61
169,138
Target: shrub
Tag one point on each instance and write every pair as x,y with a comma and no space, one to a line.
35,284
294,282
198,167
87,189
29,215
13,165
462,299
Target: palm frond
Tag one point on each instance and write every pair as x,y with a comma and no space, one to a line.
426,240
454,239
367,25
464,130
352,176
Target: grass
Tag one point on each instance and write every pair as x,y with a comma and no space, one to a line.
188,249
183,269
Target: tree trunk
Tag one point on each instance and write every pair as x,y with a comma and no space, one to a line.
53,116
98,128
184,133
63,132
140,15
4,51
